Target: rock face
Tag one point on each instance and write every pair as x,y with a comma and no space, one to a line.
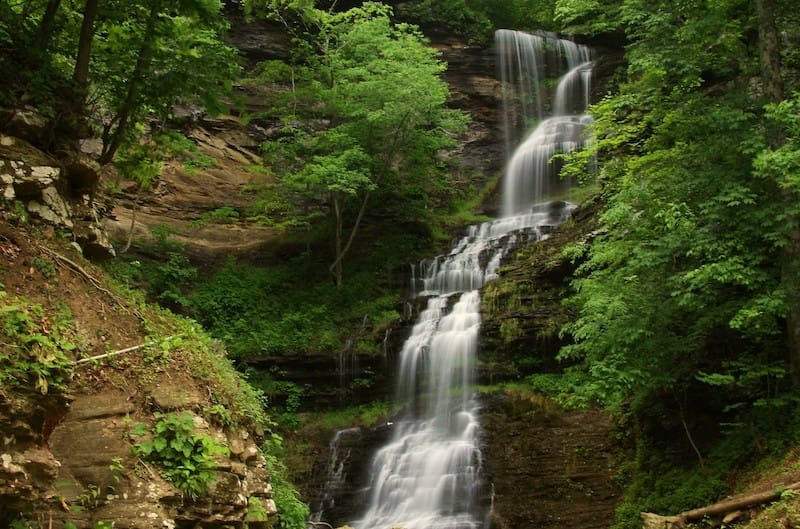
522,309
549,468
79,453
184,199
67,447
474,89
98,468
337,490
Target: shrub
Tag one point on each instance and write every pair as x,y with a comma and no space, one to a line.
186,456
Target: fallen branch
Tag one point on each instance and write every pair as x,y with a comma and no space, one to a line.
75,267
655,521
112,353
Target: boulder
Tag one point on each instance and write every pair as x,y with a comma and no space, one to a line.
25,123
81,170
52,208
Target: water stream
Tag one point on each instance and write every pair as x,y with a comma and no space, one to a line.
428,475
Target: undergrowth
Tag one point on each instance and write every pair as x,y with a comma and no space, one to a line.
186,456
289,310
37,346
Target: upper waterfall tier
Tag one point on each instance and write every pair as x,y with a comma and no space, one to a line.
540,122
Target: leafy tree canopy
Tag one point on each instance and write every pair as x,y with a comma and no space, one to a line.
372,115
687,279
111,64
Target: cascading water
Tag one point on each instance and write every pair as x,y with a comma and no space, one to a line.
428,475
531,174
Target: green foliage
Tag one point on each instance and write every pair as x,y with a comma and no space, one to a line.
36,350
522,14
243,405
784,513
255,510
588,17
676,276
365,415
222,215
474,20
186,456
287,309
141,163
662,481
457,15
285,397
145,57
45,266
684,290
292,513
166,276
148,59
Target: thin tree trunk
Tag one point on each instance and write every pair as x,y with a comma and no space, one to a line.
689,434
336,267
128,105
129,240
341,253
81,72
46,25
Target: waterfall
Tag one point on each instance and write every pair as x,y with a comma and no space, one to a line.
531,175
428,474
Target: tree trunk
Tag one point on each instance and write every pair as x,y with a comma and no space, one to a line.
336,266
46,25
81,72
770,59
114,140
340,252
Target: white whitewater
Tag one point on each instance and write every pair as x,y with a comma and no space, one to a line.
428,476
537,133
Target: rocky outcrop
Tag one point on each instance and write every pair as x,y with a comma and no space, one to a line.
338,484
184,199
99,470
74,460
56,191
474,88
77,400
522,309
